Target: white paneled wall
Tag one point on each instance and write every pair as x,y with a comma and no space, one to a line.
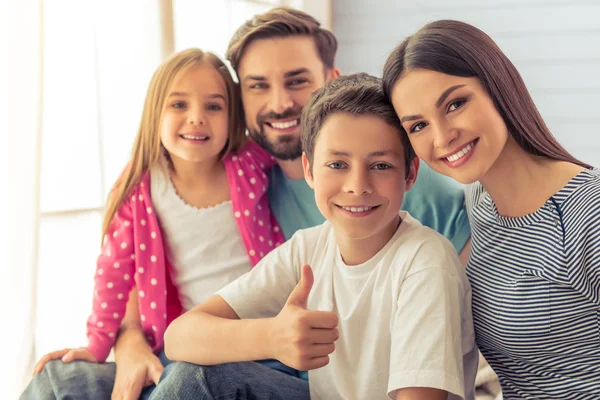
554,44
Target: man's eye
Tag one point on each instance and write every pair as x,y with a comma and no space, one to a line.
295,82
418,127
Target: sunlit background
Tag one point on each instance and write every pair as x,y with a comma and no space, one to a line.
73,78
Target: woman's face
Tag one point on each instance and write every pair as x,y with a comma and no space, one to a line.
451,122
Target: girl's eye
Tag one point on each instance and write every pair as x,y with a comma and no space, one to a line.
179,104
418,127
381,167
214,107
456,104
336,165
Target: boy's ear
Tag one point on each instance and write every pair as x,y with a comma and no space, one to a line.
413,171
307,172
334,72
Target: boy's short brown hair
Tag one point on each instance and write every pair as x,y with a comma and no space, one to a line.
282,22
357,94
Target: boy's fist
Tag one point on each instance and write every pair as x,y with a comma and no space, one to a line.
303,339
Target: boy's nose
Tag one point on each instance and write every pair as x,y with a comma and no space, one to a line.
358,183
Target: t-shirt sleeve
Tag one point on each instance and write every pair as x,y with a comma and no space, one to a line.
262,292
430,333
583,243
438,202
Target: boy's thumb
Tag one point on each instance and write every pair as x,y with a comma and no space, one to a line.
299,296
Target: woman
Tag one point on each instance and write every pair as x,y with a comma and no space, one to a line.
534,208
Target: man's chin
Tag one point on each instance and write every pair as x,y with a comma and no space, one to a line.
286,151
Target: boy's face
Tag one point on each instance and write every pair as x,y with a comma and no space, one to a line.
277,77
359,177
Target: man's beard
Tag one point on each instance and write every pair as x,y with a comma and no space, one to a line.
284,147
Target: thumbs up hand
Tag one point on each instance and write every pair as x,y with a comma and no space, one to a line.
301,338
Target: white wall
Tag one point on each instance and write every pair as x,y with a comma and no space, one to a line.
554,44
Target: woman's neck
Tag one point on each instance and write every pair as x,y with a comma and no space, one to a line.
519,183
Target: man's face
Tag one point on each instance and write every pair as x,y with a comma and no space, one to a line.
277,77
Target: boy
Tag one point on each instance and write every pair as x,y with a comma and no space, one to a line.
371,302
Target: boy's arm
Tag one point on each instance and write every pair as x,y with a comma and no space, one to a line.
431,334
212,332
421,393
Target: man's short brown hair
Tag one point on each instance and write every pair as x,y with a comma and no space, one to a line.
357,94
278,23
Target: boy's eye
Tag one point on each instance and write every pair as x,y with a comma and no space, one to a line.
456,104
335,165
381,166
418,127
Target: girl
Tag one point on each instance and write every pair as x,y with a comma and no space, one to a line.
534,209
188,215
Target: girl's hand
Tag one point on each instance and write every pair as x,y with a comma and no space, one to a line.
67,355
137,367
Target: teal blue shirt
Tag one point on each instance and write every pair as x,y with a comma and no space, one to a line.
435,200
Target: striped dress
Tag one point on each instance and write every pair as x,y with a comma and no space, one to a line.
536,292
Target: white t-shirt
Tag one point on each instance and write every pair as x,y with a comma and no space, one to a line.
404,316
205,247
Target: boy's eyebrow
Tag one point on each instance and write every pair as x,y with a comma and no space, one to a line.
288,74
438,103
379,153
186,94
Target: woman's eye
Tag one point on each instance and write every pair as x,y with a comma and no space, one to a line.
418,127
381,166
336,165
456,104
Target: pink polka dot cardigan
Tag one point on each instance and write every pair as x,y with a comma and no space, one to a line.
134,252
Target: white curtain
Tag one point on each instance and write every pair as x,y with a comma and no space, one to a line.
73,76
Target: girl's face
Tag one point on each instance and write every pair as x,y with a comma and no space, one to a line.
195,119
451,122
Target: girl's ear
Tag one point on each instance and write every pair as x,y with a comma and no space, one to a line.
307,171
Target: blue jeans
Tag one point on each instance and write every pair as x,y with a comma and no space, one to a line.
77,380
233,381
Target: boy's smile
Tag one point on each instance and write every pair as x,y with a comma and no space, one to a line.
358,174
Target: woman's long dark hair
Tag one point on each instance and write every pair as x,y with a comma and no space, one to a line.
459,49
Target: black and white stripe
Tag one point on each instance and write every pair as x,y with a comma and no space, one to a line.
536,292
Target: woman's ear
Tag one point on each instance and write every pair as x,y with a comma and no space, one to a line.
307,170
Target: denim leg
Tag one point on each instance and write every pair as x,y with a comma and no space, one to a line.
147,391
74,380
233,381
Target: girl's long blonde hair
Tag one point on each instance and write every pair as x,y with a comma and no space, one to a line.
147,146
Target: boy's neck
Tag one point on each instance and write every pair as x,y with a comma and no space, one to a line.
292,168
358,251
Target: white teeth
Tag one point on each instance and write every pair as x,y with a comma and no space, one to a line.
459,154
357,209
194,137
284,125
